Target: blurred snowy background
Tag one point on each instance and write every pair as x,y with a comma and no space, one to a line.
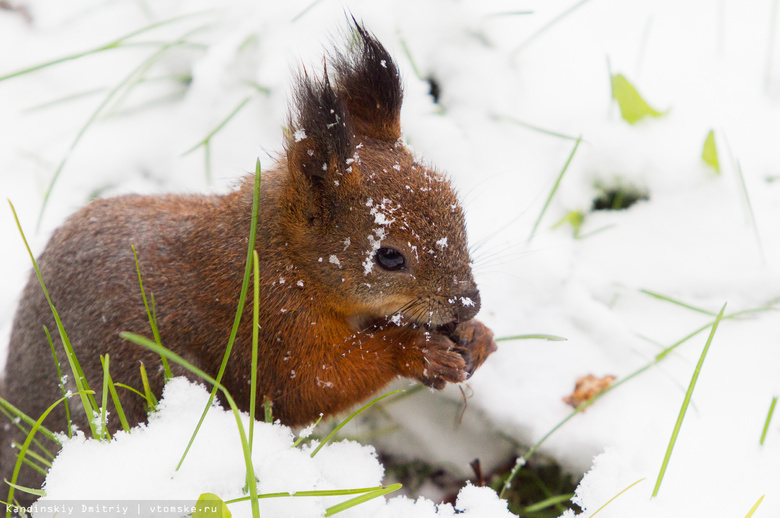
496,94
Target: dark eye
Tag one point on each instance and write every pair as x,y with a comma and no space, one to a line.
390,259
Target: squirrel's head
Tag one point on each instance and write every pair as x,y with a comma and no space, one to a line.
383,235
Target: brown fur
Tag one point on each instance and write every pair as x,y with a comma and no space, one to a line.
335,327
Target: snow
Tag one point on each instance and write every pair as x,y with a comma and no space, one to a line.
696,239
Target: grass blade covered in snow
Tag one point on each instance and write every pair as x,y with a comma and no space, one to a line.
239,309
686,402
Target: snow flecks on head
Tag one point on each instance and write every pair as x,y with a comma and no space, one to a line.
467,302
442,243
347,242
334,260
375,241
397,319
383,212
299,135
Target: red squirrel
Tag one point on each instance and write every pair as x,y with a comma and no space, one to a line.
364,271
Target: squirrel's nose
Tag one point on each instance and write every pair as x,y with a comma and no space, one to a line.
467,305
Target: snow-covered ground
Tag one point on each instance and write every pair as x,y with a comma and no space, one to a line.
700,237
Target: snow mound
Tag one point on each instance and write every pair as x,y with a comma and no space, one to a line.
140,466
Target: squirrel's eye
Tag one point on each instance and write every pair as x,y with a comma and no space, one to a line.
390,259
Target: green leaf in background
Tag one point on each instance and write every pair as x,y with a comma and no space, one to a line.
575,218
210,505
710,153
632,106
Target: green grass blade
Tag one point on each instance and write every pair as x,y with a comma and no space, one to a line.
88,402
115,398
23,451
677,302
117,43
547,502
255,329
219,126
341,425
28,490
206,142
614,497
755,507
16,416
686,402
768,419
304,11
555,187
239,309
29,462
657,359
551,338
532,127
145,342
751,215
151,315
104,361
60,378
268,410
303,436
40,458
133,390
330,511
151,401
547,27
136,72
313,493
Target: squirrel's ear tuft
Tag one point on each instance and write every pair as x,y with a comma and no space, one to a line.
368,81
320,138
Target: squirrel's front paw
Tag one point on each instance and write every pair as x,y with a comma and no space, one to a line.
474,342
442,362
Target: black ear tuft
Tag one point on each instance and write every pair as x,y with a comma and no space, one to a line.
320,138
368,81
